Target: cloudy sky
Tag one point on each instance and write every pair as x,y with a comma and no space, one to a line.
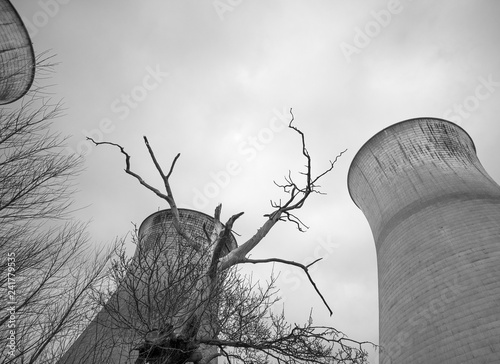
214,80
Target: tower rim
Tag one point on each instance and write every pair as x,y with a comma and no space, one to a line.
166,210
369,141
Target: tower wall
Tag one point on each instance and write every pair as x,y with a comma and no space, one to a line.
435,216
109,337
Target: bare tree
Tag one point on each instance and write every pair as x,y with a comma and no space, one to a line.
199,301
45,256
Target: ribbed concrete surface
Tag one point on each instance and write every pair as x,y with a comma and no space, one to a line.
108,339
17,58
435,216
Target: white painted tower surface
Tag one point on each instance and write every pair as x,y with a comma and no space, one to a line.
163,283
435,217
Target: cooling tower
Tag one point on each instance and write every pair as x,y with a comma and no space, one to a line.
17,58
163,277
435,217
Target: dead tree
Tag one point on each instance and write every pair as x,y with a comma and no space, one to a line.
246,330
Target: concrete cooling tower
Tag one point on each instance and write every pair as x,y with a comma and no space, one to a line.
435,216
162,278
17,58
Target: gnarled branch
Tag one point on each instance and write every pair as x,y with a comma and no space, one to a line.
297,197
167,197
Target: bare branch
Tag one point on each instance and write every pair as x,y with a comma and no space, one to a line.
170,196
297,196
217,225
293,344
223,240
128,171
167,197
299,265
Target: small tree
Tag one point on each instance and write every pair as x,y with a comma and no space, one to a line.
243,328
46,278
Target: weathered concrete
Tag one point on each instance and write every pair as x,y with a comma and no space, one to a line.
435,217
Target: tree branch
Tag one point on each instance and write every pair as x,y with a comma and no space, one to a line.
299,265
167,197
296,344
166,183
128,171
297,197
223,240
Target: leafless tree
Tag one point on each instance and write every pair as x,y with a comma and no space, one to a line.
46,275
185,300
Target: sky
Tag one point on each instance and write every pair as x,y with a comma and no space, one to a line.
215,80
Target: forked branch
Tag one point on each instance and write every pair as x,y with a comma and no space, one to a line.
169,197
305,268
297,196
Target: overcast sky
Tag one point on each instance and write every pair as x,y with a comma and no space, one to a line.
214,80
